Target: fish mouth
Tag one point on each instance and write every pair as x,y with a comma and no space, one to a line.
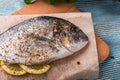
82,36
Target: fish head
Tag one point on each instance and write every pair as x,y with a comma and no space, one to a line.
70,35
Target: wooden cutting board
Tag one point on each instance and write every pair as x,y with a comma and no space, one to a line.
82,64
42,7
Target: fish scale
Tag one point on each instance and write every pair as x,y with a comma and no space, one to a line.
41,39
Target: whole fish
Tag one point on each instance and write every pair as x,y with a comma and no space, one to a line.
40,39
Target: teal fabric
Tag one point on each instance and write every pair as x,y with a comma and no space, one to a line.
7,7
106,18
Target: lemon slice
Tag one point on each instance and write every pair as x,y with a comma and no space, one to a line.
0,62
13,69
35,69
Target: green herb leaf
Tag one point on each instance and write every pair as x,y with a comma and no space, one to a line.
65,1
71,1
52,2
29,1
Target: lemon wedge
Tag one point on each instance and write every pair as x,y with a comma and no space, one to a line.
13,69
35,69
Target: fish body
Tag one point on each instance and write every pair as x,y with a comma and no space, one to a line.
40,39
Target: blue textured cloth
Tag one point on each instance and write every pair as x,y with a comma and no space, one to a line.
9,6
106,18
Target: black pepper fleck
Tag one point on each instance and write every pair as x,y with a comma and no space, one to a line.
112,57
78,62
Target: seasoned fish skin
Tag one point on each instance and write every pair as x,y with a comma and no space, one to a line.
40,39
